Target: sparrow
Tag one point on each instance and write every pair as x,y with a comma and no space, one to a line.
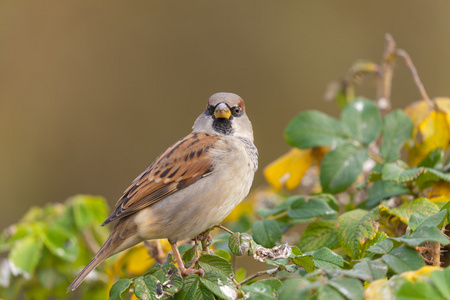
189,188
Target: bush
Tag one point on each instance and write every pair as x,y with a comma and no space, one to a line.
375,223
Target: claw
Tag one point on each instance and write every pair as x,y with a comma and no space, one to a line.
184,272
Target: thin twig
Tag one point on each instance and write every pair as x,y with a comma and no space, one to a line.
260,273
224,228
90,240
402,53
238,286
386,73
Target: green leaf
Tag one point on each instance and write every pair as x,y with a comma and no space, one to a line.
267,233
188,255
296,251
371,270
318,234
421,207
355,229
175,282
440,279
434,159
397,129
215,264
314,207
429,174
148,288
326,292
363,120
399,172
240,274
223,290
433,220
223,253
266,212
25,256
424,234
403,259
240,243
351,288
260,296
61,242
341,166
325,258
382,247
330,199
305,261
263,288
417,290
381,190
194,289
312,129
120,288
89,210
296,288
381,236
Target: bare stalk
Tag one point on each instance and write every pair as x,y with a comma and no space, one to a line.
385,75
257,274
224,228
402,53
435,249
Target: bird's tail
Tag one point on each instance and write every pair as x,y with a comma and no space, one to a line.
123,236
105,251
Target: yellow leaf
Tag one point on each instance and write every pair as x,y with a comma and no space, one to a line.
245,207
440,193
443,104
134,261
289,169
432,133
421,274
378,290
418,111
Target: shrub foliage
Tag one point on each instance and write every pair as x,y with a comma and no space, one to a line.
374,223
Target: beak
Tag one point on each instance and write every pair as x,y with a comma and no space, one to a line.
222,111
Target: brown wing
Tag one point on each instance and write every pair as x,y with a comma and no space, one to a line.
179,166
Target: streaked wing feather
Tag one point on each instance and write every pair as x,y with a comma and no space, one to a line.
181,165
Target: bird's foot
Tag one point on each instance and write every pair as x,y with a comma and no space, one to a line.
185,272
206,240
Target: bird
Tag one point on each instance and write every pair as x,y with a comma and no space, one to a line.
190,188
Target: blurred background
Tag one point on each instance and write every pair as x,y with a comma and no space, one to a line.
91,92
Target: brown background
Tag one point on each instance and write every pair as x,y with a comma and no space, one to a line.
91,92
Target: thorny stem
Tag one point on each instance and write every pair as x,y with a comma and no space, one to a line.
257,274
402,53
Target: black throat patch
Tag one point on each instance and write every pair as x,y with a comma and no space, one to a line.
223,126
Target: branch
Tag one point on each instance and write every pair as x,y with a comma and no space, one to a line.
257,274
224,228
402,53
385,74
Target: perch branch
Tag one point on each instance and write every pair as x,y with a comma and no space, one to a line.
224,228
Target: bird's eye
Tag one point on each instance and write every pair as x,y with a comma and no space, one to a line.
236,111
209,110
